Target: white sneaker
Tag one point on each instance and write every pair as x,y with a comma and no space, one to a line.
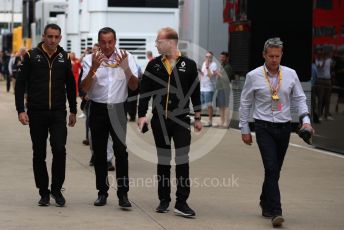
329,118
82,115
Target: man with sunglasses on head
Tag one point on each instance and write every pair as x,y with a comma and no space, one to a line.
107,74
269,90
46,74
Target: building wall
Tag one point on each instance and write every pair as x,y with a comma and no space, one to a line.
202,27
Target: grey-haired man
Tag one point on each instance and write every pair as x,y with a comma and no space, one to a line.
269,89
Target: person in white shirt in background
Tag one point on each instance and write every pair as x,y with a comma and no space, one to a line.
208,85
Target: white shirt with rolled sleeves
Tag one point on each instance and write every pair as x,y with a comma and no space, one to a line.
256,94
110,85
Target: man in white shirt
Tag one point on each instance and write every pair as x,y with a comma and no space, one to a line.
269,89
208,84
107,74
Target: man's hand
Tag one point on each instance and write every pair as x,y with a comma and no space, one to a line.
247,138
141,121
72,120
23,118
309,127
122,60
198,125
97,58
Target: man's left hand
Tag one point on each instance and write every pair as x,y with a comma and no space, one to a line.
198,125
308,126
72,120
122,60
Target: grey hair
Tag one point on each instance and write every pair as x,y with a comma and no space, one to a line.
273,43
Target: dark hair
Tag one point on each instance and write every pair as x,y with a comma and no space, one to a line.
225,53
52,26
106,30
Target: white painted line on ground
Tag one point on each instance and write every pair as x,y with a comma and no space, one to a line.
309,148
318,150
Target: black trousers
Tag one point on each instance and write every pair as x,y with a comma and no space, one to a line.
164,131
105,120
41,124
131,104
273,141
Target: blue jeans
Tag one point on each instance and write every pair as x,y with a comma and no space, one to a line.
207,99
273,141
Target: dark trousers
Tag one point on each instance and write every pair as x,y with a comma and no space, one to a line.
164,131
273,141
8,82
41,124
132,103
108,120
324,96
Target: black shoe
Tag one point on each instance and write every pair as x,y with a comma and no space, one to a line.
277,221
100,201
124,202
86,142
183,209
265,213
44,201
110,166
163,206
59,199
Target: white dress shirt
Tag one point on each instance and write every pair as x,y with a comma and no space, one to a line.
110,85
256,94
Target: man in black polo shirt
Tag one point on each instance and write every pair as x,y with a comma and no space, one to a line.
47,75
171,79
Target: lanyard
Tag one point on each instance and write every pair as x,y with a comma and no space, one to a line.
169,68
273,90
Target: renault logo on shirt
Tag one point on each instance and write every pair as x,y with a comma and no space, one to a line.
38,57
157,67
182,66
60,57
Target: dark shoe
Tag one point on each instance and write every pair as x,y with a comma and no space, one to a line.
277,221
44,201
183,209
110,166
124,202
163,206
100,201
265,213
59,199
86,142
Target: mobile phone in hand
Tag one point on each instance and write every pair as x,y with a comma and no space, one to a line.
144,128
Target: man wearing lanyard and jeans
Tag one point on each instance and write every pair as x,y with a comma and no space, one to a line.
107,74
269,89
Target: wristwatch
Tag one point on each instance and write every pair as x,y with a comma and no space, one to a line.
197,118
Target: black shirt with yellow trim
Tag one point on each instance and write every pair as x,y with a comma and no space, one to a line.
171,90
